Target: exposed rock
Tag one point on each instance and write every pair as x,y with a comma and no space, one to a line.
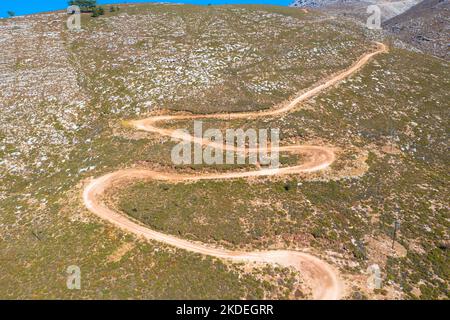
425,26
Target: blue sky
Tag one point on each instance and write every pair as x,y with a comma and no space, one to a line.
21,7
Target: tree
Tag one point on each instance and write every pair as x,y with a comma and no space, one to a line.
85,5
98,11
11,14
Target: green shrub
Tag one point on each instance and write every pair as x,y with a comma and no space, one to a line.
98,11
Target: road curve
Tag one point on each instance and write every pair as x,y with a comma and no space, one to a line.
323,279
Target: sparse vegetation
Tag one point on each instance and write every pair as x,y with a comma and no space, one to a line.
85,5
61,124
98,11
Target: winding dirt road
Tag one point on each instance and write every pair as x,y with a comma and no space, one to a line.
323,279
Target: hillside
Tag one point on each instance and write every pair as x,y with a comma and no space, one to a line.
425,26
69,101
358,8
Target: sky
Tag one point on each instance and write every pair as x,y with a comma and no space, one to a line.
21,7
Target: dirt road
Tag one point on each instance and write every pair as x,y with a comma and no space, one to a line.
322,278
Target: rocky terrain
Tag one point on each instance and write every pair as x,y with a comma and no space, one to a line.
416,25
425,26
63,101
358,8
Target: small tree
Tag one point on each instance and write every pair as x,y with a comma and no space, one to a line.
98,11
85,5
11,14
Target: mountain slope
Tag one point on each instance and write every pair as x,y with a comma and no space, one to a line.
425,26
64,97
358,8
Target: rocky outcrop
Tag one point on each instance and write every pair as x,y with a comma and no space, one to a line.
425,26
358,8
314,3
